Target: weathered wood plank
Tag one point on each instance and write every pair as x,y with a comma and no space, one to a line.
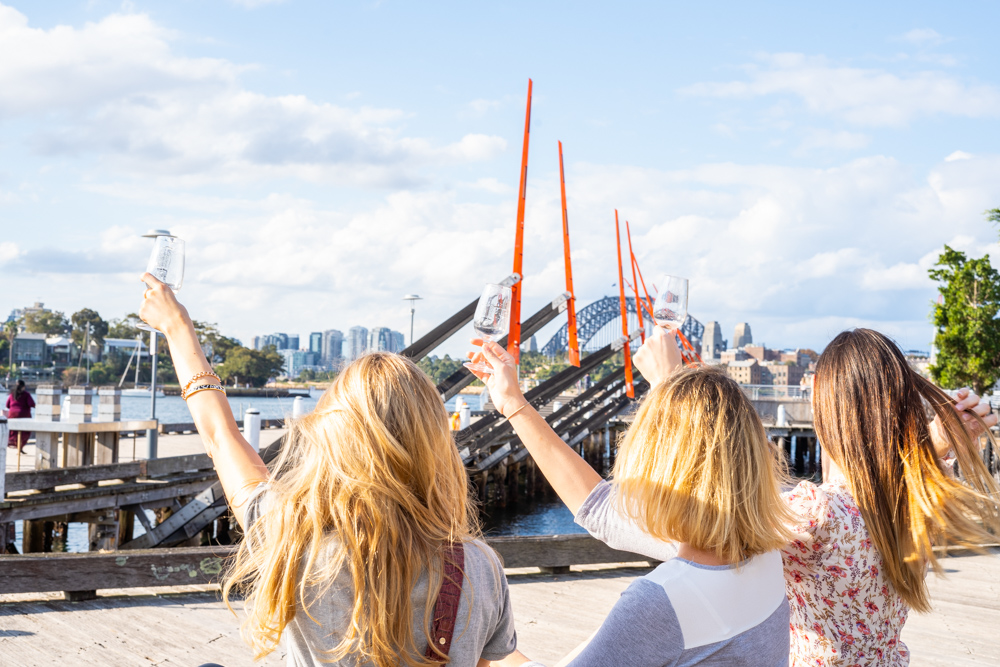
53,477
120,495
37,573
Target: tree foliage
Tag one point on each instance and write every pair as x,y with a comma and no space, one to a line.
126,327
81,319
438,368
215,346
51,323
967,334
255,367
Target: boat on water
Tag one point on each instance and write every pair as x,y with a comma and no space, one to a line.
141,392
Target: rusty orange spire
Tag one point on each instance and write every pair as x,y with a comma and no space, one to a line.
514,337
635,286
574,345
649,302
629,388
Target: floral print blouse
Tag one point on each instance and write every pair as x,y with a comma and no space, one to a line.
844,610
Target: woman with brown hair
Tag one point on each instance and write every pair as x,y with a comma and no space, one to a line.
361,544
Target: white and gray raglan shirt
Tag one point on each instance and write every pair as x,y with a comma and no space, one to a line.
683,613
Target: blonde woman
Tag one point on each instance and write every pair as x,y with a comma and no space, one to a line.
695,470
361,545
866,535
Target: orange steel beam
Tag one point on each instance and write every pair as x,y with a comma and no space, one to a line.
514,336
574,345
649,302
635,286
629,388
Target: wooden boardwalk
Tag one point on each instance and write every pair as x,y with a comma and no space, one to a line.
553,613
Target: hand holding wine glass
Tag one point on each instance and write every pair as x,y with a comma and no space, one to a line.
160,308
492,319
166,265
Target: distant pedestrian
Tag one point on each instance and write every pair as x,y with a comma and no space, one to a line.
19,405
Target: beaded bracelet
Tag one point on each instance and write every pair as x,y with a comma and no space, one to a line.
203,387
198,376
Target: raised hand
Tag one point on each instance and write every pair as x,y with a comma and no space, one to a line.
502,382
160,308
659,356
967,405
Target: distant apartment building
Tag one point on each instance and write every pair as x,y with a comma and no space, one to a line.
357,342
316,343
297,361
19,313
384,339
729,356
797,357
773,372
742,336
333,347
293,342
30,350
744,372
712,341
761,353
278,340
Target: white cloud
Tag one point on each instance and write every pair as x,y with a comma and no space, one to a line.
116,89
958,155
829,139
869,97
8,252
923,37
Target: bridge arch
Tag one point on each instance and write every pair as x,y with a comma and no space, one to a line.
600,323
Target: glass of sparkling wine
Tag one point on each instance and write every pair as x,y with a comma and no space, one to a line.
671,305
492,319
166,264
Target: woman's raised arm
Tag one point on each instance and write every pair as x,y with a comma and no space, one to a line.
239,467
571,477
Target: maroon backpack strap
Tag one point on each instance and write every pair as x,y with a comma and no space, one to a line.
446,606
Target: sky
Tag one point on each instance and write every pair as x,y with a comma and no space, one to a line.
802,165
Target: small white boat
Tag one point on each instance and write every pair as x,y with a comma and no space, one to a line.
141,393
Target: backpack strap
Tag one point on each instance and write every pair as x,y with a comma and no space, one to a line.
446,606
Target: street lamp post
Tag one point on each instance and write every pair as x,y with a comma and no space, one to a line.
412,298
151,434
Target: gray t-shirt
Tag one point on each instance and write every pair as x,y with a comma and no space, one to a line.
484,627
683,613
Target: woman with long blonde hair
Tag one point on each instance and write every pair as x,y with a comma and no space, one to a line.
361,545
695,469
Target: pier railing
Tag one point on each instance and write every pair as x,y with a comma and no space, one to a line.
81,575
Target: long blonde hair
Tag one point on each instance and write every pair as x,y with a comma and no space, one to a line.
370,481
696,466
871,419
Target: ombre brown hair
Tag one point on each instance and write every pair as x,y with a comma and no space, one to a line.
370,481
696,466
871,416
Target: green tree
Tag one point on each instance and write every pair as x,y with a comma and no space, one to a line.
82,319
439,368
253,366
993,215
52,323
215,346
10,328
967,334
126,327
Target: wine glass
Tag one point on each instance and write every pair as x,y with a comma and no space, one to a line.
671,305
492,319
166,264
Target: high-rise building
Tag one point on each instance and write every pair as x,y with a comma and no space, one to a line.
333,345
298,360
713,343
316,343
357,342
278,340
532,344
255,342
742,335
384,339
293,342
399,341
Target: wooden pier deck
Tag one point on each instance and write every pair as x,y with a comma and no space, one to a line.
554,613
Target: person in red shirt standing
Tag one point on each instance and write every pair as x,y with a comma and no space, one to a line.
19,405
